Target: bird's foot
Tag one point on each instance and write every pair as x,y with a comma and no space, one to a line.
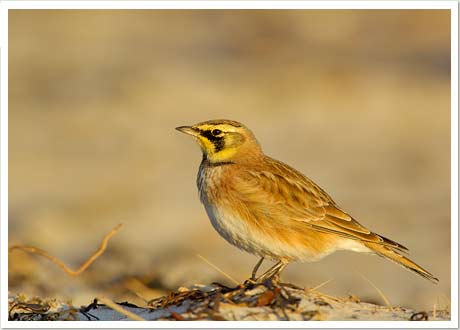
275,279
268,281
251,282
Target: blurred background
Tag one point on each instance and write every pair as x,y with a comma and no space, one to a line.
357,100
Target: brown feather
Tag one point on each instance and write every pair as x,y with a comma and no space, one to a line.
295,197
394,256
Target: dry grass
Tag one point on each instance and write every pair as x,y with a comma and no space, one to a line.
119,309
321,284
380,292
218,269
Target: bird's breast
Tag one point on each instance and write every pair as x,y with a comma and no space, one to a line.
209,180
214,186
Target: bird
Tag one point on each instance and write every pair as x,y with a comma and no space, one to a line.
267,208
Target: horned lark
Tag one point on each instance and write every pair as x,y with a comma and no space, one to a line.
269,209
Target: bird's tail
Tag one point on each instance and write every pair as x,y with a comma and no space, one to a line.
391,254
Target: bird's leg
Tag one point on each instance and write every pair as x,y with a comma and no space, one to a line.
256,268
276,276
275,269
280,269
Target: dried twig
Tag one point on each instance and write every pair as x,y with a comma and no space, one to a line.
83,267
218,269
119,309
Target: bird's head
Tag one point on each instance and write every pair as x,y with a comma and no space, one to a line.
224,140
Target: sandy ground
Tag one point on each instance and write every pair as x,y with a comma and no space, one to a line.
356,100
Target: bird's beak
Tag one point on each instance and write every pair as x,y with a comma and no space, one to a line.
188,130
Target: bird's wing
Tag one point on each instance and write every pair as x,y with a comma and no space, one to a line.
280,192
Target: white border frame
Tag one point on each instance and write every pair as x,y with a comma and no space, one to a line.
6,5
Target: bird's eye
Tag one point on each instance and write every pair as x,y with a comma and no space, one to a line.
216,132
